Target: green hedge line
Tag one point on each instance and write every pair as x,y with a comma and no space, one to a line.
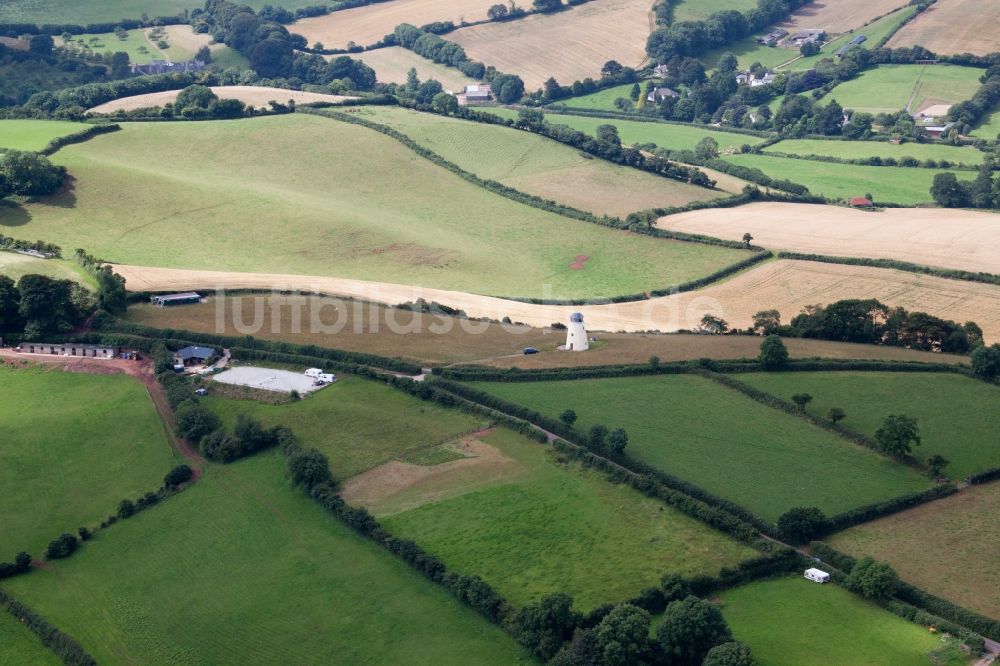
250,342
919,598
874,161
64,646
869,512
612,115
985,476
950,273
78,137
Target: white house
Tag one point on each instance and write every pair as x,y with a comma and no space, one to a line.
817,575
576,334
763,81
660,93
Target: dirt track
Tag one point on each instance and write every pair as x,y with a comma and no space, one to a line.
961,239
785,285
256,96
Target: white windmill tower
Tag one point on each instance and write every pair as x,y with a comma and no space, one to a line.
576,334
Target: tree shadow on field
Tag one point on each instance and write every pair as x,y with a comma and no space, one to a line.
13,214
64,198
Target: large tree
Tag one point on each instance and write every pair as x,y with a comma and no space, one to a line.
47,305
544,626
733,653
897,435
949,192
29,174
871,579
985,360
10,298
773,353
801,524
623,636
690,628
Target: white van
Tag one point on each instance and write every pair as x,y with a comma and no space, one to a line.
817,576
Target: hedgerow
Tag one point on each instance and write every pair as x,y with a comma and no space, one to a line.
64,646
949,273
78,137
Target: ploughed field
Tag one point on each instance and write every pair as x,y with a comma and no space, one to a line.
242,566
316,196
73,447
722,441
958,417
540,166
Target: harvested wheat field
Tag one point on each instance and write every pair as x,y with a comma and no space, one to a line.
257,96
838,16
946,238
367,25
784,285
569,45
392,64
954,26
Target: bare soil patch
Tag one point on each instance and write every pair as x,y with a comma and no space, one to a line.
839,16
946,238
569,45
398,486
255,96
953,26
785,285
367,25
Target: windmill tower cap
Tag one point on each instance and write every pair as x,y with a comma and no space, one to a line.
576,316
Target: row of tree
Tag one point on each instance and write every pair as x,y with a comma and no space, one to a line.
983,192
37,305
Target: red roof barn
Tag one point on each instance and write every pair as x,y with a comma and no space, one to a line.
861,202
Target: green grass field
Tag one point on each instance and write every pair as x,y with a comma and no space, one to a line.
34,134
890,88
664,135
357,423
948,547
73,447
534,526
989,127
540,166
866,149
795,621
243,568
901,185
311,196
875,32
738,449
20,647
602,99
83,12
136,45
958,416
699,10
15,265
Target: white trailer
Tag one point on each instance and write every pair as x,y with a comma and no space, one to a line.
817,575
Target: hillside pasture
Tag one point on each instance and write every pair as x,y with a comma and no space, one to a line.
780,619
438,339
989,126
540,166
889,88
83,12
570,45
900,185
136,44
785,285
677,136
256,96
959,239
357,423
602,99
15,266
532,524
947,547
74,445
369,24
392,63
312,196
243,567
958,416
20,647
34,134
953,26
738,449
854,150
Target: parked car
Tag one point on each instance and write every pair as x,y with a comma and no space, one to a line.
530,350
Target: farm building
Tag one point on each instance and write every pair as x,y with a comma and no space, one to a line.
659,93
861,202
479,92
576,334
167,67
772,38
192,356
816,575
854,42
661,70
69,349
175,299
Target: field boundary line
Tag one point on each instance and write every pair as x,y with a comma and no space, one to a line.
947,273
